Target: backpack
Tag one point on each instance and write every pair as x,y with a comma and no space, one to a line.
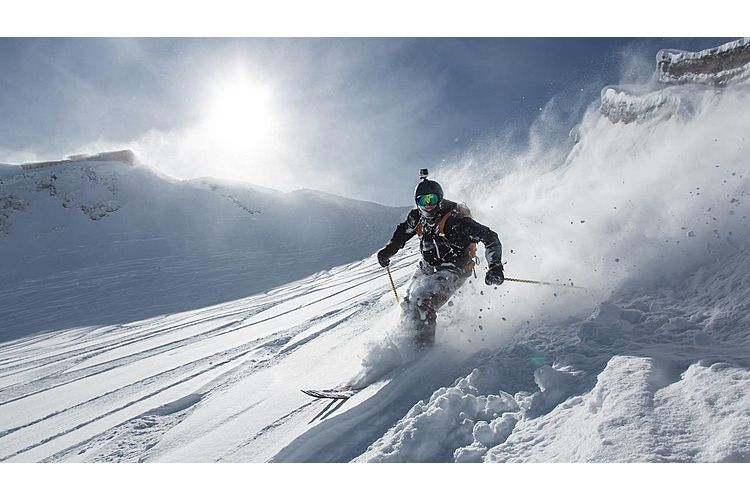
463,211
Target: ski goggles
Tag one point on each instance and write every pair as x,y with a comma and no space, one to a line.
427,200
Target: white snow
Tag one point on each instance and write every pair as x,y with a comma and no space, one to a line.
641,409
89,234
649,363
619,105
654,378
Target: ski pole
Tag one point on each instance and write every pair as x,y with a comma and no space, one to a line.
393,285
533,282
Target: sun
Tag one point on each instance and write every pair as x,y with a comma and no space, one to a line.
240,117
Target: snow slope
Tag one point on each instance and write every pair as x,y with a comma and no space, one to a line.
220,383
648,211
656,374
80,237
649,363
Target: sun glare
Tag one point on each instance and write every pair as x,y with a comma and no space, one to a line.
240,117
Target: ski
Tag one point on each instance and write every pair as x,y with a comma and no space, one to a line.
329,393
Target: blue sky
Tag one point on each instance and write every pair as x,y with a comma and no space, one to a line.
356,117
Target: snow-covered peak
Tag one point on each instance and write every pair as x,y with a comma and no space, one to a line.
664,98
722,65
126,157
174,244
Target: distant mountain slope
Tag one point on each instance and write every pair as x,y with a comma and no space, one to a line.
94,242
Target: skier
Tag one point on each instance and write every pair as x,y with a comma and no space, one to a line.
448,237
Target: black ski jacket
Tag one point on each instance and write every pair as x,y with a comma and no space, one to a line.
452,248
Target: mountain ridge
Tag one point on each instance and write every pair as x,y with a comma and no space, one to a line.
86,215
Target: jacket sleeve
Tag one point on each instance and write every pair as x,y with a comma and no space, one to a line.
468,228
403,233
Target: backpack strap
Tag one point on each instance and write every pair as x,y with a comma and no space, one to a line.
441,224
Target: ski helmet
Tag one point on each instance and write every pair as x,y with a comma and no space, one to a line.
428,205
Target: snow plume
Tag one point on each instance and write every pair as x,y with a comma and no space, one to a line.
629,203
647,214
622,203
193,151
17,157
394,347
384,355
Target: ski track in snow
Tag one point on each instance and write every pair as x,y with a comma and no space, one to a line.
63,392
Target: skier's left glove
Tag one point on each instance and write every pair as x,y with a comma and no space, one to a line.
384,255
495,275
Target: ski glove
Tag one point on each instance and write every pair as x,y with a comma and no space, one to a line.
495,275
384,256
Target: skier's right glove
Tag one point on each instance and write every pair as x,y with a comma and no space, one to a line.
384,255
495,275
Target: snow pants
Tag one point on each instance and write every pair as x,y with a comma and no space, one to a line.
429,289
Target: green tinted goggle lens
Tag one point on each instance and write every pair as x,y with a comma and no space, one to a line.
425,200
